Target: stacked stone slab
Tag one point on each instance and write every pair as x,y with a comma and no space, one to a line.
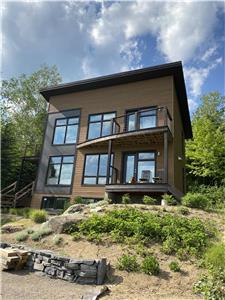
81,271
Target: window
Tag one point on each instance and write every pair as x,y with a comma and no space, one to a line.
60,170
100,125
145,119
66,131
139,166
54,202
95,169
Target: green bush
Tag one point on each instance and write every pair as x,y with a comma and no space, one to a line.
126,199
23,212
150,265
169,199
78,200
21,236
195,200
38,235
76,236
57,240
174,266
128,263
13,211
94,237
39,216
149,200
183,210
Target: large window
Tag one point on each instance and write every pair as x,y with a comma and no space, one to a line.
100,125
52,203
139,167
141,119
60,170
66,131
95,169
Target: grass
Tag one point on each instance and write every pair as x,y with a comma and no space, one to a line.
174,266
21,236
38,216
128,263
38,235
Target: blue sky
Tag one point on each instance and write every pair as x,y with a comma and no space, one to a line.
87,39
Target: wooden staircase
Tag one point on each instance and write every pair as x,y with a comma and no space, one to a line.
12,198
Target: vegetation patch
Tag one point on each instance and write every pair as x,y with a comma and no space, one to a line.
176,234
150,265
39,216
149,200
38,235
21,236
174,266
128,263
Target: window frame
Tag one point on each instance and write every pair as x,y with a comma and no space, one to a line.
101,122
66,125
138,109
61,163
136,161
97,176
55,198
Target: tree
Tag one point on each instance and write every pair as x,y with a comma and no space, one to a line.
206,151
23,113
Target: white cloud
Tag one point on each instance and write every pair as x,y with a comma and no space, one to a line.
192,105
209,53
197,76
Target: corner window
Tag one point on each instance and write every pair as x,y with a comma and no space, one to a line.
100,125
66,131
95,169
60,170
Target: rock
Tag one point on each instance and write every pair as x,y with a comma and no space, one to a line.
88,273
75,208
4,245
72,265
50,271
102,268
68,277
60,274
38,267
84,280
58,223
99,203
10,228
85,268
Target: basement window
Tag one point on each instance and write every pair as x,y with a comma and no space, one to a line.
54,203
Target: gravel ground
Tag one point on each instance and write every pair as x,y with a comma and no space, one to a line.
22,285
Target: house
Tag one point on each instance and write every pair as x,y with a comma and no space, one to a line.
116,134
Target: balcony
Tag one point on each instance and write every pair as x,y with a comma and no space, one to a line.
145,126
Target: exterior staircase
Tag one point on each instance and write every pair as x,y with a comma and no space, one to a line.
10,197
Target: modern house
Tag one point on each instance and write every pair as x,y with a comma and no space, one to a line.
116,134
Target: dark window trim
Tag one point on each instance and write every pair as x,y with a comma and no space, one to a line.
131,110
66,125
55,199
94,184
61,163
101,121
135,153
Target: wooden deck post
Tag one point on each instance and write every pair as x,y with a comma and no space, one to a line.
165,156
109,161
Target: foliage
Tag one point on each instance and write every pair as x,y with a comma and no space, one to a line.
183,210
23,114
149,200
126,199
76,236
177,234
205,152
39,216
21,236
174,266
215,257
128,263
150,265
23,212
78,200
38,235
57,240
195,200
94,237
169,199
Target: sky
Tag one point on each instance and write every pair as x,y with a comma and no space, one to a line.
89,39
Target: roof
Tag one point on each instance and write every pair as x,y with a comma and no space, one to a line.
174,69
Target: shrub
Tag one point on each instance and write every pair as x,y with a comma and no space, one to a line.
195,200
30,230
169,199
183,210
21,236
126,199
78,200
149,200
23,212
174,266
57,240
13,211
94,237
76,236
150,265
128,263
38,235
39,216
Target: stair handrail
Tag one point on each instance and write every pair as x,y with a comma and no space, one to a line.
5,191
27,189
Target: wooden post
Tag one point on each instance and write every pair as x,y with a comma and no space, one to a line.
165,116
109,161
165,157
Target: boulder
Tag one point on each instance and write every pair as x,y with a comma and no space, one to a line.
76,208
10,228
58,223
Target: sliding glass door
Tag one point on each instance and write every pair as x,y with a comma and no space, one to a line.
139,167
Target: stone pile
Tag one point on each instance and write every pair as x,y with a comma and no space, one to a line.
81,271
